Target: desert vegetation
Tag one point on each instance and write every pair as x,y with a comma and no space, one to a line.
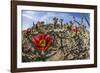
56,41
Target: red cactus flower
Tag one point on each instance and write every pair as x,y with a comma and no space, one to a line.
74,28
42,41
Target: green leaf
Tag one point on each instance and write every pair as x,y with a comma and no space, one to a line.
36,51
37,59
47,51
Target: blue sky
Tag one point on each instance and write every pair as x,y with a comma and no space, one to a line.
28,17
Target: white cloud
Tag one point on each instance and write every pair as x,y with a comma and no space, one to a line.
29,12
46,16
29,17
26,26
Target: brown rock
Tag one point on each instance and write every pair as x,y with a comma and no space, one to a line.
58,56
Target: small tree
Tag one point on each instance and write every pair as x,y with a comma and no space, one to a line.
55,22
81,21
61,22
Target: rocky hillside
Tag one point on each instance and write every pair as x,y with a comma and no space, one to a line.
59,42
